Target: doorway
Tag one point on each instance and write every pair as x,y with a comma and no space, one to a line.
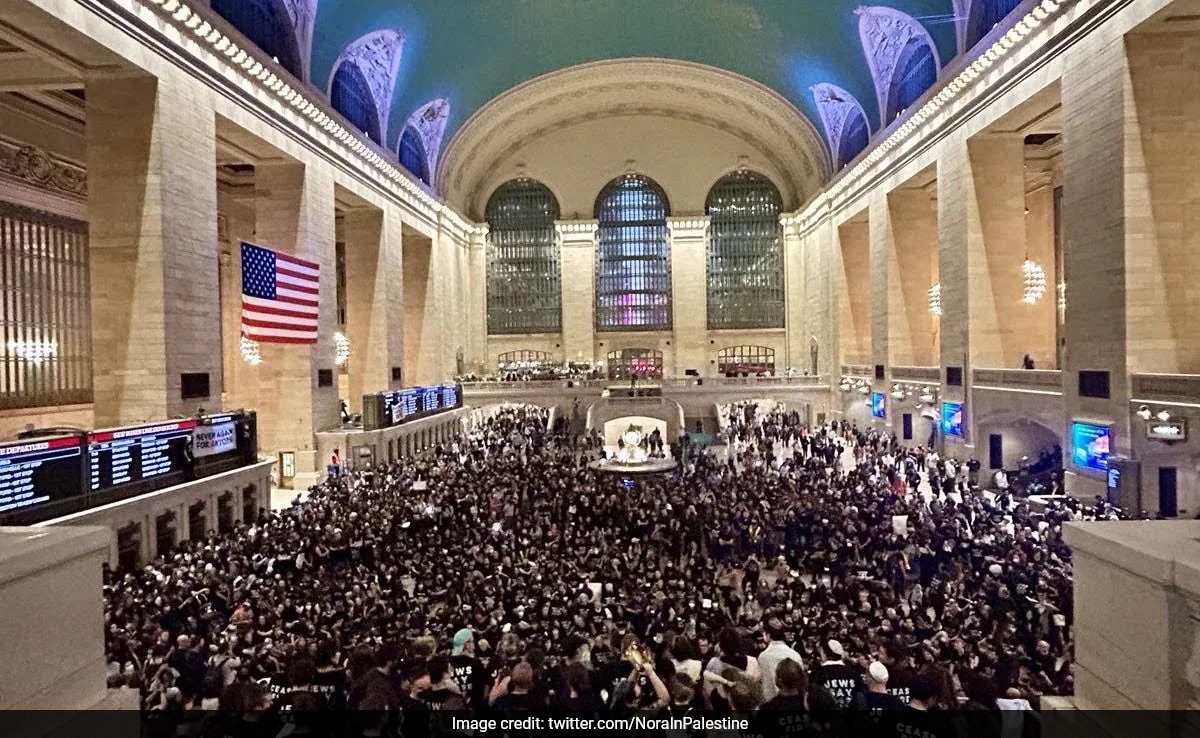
995,451
1168,497
908,426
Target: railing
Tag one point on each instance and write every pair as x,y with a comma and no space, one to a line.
931,374
1167,387
1039,379
674,383
858,370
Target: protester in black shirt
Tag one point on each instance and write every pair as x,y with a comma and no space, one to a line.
843,681
467,671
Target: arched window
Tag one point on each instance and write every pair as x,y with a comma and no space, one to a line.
916,72
351,96
412,154
633,258
640,362
981,16
901,56
524,277
268,26
749,361
745,253
845,121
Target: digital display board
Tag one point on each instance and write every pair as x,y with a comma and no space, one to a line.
39,471
127,455
431,399
952,419
451,396
878,404
1090,445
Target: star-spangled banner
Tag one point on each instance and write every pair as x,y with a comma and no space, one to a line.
281,296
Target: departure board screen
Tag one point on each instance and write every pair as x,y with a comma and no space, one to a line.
33,473
410,400
127,455
451,396
431,399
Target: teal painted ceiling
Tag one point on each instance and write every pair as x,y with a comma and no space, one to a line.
470,51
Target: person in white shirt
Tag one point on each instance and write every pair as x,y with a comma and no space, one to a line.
776,652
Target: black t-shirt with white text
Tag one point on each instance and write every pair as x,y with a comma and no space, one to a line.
843,681
471,677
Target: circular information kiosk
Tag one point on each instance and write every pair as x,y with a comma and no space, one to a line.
633,457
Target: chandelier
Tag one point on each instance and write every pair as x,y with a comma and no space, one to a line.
1062,297
250,352
935,299
1035,281
341,348
35,352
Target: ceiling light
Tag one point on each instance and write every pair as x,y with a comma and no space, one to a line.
935,299
1163,415
341,348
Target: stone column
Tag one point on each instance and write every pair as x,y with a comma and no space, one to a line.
981,246
450,278
422,311
823,301
477,351
152,206
852,283
578,243
912,227
294,207
374,300
796,290
689,295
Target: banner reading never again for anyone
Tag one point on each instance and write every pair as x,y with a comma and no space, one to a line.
208,440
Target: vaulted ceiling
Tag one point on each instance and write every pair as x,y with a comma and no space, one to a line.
469,51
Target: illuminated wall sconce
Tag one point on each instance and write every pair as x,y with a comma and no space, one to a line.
250,352
1035,281
1144,412
935,299
341,348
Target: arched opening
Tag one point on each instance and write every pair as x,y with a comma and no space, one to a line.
524,273
746,361
633,256
412,154
745,253
984,15
268,26
915,73
351,96
524,363
1028,451
854,139
641,363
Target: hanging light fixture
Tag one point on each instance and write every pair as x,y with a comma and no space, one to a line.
35,352
250,352
1062,297
935,299
341,348
1035,281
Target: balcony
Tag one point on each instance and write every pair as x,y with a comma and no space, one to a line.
930,374
1043,381
1166,387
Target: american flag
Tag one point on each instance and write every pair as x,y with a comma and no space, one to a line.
280,296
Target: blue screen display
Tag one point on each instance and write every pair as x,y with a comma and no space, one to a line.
1090,445
879,404
952,419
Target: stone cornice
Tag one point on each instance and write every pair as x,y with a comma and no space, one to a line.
577,230
688,228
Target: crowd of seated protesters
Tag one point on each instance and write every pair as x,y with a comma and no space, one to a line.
809,578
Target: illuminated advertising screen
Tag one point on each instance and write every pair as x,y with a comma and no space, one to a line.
952,419
878,404
1090,445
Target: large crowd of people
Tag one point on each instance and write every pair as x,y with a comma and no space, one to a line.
818,573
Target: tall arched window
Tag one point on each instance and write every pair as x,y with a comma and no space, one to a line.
982,16
633,258
916,73
750,361
524,277
745,253
351,96
642,363
412,154
845,121
267,24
